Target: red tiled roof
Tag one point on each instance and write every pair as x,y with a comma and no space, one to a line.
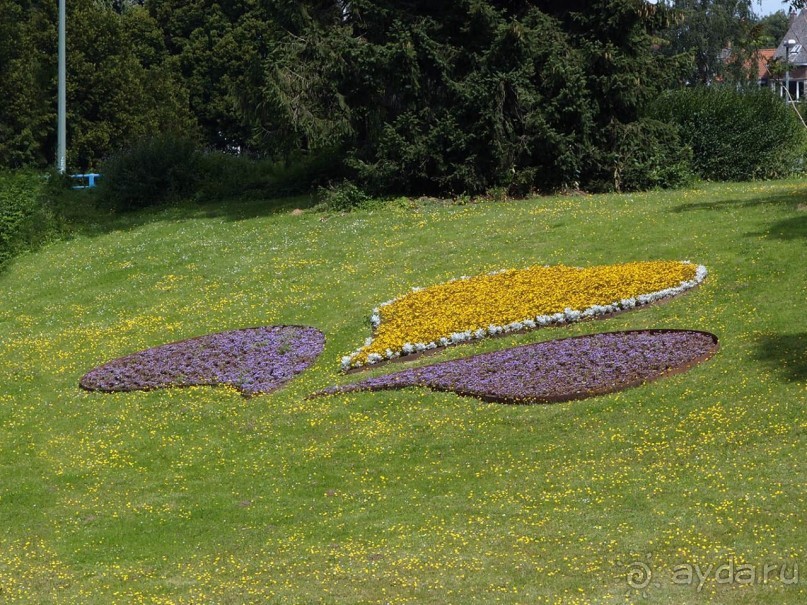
764,56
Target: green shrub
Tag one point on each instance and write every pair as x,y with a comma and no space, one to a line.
649,155
167,168
25,218
342,197
303,173
225,175
159,169
735,135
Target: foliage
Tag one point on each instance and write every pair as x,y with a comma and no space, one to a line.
649,154
115,99
400,97
516,109
170,168
436,98
26,220
27,70
150,172
735,134
772,29
718,37
342,197
122,85
227,175
217,49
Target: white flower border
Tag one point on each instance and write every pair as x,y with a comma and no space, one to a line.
568,316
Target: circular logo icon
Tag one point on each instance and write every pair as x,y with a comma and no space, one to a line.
639,575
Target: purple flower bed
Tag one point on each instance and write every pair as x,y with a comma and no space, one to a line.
557,370
253,360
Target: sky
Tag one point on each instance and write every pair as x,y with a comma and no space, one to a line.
766,7
762,7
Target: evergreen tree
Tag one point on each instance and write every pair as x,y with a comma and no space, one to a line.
121,84
218,46
403,95
460,96
718,36
27,66
114,99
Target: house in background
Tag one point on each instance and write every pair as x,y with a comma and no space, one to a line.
792,53
764,58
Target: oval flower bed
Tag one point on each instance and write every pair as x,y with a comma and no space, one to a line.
253,360
514,300
556,370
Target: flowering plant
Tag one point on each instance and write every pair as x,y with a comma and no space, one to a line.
512,300
556,370
252,360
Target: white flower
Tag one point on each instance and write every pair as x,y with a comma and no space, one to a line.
571,314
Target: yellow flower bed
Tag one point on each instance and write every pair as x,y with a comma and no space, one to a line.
513,300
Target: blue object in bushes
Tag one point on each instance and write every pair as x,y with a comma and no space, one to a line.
88,178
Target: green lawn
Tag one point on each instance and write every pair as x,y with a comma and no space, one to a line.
201,496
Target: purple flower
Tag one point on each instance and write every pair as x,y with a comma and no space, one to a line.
556,370
253,360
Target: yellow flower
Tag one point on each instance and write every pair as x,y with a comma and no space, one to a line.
513,300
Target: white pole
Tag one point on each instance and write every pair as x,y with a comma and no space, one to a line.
61,135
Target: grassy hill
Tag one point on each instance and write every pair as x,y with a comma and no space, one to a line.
201,496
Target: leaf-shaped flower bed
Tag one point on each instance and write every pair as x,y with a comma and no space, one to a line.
556,370
252,360
516,300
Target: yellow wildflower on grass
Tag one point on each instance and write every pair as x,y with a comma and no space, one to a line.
516,299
